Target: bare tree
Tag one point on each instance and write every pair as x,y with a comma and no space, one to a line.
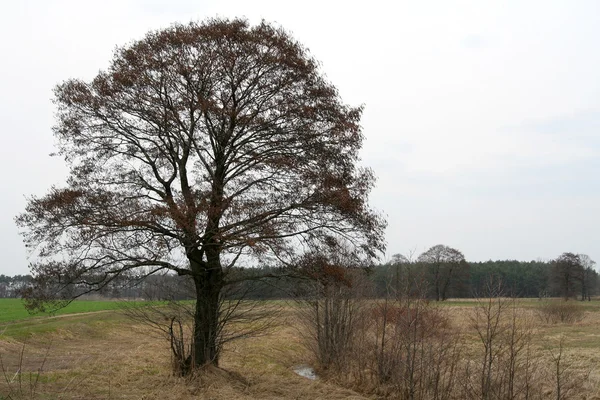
445,265
201,145
587,278
566,274
403,276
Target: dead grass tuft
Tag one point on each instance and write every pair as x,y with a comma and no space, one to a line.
559,311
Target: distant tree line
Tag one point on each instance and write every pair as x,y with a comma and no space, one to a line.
569,276
12,286
441,270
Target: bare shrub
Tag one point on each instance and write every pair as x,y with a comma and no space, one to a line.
566,378
562,386
416,355
401,347
15,383
505,365
404,348
331,301
559,311
20,383
175,321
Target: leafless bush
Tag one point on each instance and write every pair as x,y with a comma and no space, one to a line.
567,379
561,387
331,309
404,347
415,353
20,383
559,311
174,320
401,347
503,366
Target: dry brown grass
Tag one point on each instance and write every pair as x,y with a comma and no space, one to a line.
581,341
98,358
127,361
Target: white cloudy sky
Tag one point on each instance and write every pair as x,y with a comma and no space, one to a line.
482,119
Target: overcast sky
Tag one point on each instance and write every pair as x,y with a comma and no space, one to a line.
482,119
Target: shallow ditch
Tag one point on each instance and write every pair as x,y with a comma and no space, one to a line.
306,372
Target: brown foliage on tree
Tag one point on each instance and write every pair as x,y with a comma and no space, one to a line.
201,145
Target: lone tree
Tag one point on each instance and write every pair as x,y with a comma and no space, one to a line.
202,145
567,270
445,265
587,277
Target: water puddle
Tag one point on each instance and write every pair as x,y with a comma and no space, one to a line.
306,372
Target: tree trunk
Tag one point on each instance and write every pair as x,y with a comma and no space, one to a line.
206,318
437,283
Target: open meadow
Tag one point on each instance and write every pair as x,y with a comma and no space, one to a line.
13,310
88,353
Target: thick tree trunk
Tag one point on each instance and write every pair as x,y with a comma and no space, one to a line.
206,318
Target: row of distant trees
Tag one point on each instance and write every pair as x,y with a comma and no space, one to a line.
441,270
569,276
12,286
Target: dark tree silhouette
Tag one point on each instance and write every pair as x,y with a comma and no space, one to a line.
202,145
445,266
587,277
566,274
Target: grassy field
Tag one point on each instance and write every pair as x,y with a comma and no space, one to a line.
14,310
107,356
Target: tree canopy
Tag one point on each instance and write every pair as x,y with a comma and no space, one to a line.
446,266
201,145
